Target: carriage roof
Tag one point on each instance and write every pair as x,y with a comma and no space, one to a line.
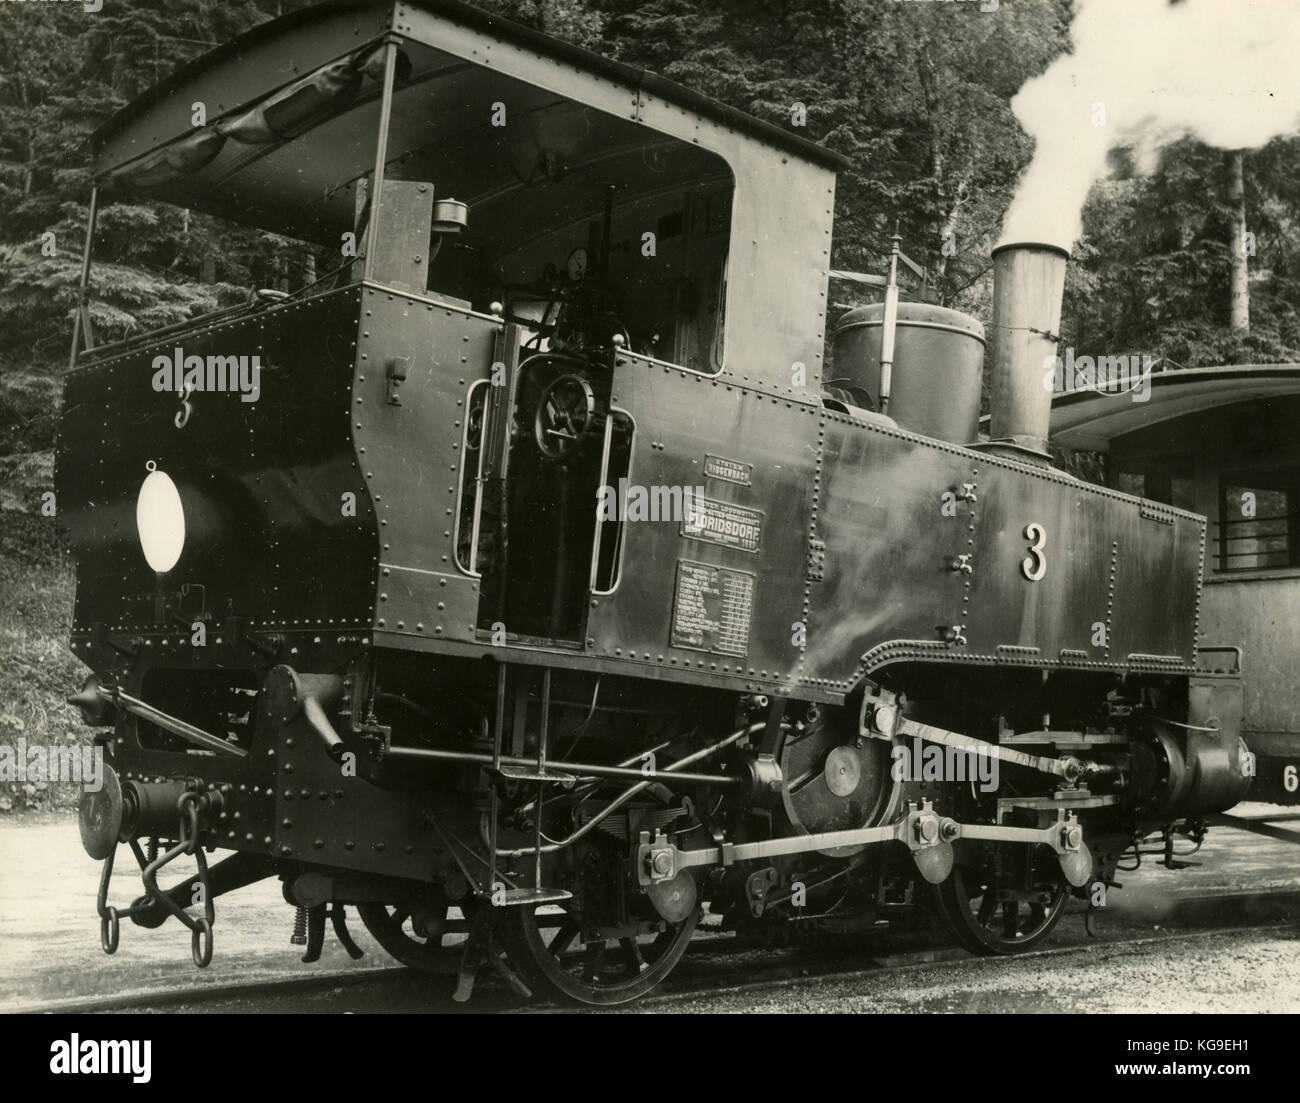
1090,419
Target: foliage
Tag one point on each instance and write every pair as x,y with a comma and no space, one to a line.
37,668
62,74
1153,277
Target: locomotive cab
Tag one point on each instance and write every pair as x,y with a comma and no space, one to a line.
529,212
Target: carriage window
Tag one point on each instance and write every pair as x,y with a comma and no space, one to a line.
1182,492
1170,480
1131,482
1259,520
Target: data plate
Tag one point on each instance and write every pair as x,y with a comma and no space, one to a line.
730,471
712,608
724,524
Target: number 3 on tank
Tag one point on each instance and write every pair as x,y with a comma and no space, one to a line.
1034,565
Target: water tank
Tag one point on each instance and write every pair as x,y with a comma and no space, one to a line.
937,373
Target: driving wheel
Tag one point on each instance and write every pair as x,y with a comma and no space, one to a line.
1006,905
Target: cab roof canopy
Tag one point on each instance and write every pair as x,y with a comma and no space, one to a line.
278,129
282,51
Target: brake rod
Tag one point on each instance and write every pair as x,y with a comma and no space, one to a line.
573,769
885,722
1058,766
171,724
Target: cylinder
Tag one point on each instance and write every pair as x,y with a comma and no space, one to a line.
937,371
1028,283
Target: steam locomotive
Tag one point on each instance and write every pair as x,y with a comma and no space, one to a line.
527,583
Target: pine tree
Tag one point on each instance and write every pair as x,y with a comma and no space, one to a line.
1153,272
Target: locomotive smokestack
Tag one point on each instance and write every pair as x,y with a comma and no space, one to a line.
1028,284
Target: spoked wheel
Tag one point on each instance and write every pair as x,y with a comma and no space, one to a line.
1009,905
412,935
548,943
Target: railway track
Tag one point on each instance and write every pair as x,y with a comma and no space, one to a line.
670,996
716,965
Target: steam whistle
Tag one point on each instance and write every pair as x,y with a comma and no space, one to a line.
890,325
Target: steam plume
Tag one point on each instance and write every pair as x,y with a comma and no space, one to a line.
1224,71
